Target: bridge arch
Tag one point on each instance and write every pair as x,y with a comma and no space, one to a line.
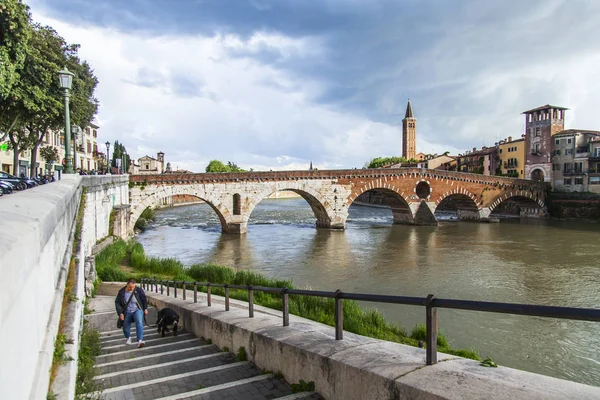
164,192
521,200
391,196
461,201
324,213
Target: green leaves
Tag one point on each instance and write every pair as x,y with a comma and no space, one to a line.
218,166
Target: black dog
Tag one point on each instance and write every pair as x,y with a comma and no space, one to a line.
167,319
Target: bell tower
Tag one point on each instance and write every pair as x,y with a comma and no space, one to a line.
409,134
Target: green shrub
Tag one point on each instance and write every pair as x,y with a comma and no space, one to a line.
89,349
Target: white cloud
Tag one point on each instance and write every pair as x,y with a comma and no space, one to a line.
187,97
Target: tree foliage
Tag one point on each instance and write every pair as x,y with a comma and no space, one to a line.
118,151
218,166
15,31
35,102
49,154
380,162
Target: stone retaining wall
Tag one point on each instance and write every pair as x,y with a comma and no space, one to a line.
357,367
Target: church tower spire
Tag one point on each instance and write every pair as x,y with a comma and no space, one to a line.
409,133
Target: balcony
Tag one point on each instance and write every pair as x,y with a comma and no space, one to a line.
507,165
567,172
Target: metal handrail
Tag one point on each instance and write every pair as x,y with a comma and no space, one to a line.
431,304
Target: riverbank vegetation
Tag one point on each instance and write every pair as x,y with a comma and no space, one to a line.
142,222
121,261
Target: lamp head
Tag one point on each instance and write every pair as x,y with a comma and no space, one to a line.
65,77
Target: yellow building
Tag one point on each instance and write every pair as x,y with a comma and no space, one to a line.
512,157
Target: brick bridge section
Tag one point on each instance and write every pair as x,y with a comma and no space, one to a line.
413,194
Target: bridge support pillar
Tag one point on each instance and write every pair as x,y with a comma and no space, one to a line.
469,215
121,222
331,225
236,228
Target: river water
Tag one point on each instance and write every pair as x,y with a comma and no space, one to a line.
534,262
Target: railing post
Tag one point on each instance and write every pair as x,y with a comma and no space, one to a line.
431,323
208,297
175,289
226,297
161,287
285,306
195,292
184,294
143,287
155,285
250,302
168,285
339,315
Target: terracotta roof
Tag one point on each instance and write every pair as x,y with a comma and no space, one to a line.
547,106
94,125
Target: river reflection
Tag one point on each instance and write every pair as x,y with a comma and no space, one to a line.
537,262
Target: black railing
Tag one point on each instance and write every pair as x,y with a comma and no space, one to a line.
431,304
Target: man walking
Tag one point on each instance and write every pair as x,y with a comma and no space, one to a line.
132,305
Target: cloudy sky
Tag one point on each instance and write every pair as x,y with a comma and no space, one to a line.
277,84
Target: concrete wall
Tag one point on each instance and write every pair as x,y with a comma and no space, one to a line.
358,367
36,236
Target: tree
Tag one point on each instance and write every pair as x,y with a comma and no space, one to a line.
49,154
118,151
218,166
380,162
15,31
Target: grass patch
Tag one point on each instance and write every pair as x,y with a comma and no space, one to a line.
364,322
241,355
89,349
303,386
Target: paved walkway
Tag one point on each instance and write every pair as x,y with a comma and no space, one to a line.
181,367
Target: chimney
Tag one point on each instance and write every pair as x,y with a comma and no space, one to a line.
474,149
510,138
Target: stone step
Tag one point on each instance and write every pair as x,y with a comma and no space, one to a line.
117,347
132,352
169,368
182,383
148,334
259,387
301,396
172,355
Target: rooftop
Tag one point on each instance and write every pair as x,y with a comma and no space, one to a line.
547,106
568,132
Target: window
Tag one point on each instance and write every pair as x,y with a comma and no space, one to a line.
567,182
147,166
578,167
569,140
501,151
579,181
538,131
95,133
556,167
87,130
568,152
537,147
594,180
237,206
557,141
556,153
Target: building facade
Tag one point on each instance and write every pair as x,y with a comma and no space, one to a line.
409,134
573,160
541,124
484,161
511,157
84,148
149,165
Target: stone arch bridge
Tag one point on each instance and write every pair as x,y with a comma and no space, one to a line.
413,194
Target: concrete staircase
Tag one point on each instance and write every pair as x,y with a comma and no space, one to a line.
181,367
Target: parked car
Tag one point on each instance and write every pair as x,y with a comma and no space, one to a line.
20,183
6,187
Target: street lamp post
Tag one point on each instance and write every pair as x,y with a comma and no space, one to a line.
74,132
65,78
107,156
